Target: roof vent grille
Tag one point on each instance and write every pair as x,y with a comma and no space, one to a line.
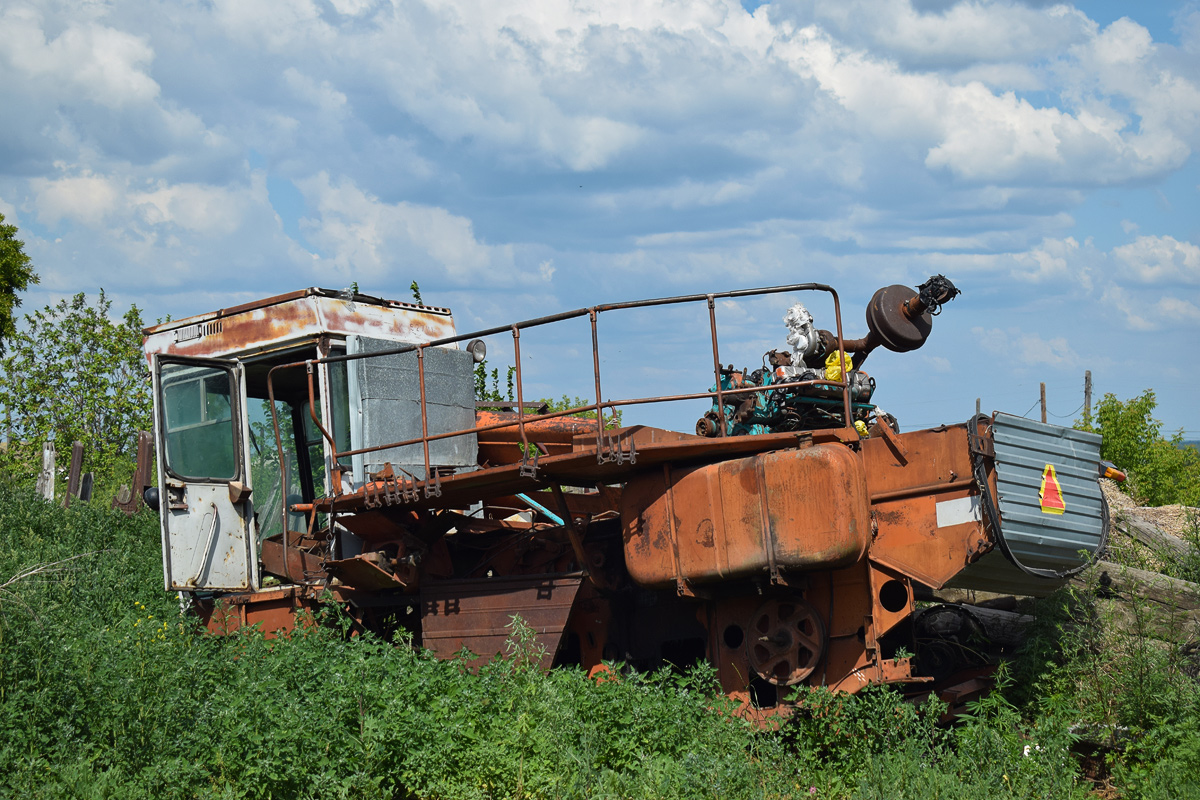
198,331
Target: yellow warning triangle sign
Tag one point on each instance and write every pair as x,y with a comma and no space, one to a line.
1051,492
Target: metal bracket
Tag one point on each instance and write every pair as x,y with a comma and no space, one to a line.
436,489
372,495
390,490
683,589
529,469
614,450
979,443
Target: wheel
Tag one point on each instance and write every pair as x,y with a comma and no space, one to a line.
787,640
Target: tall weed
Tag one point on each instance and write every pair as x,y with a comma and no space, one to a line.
107,691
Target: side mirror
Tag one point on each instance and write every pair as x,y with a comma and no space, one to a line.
150,495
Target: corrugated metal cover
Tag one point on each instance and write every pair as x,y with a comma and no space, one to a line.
1032,457
995,573
1029,454
387,390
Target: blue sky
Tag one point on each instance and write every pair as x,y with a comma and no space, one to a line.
522,159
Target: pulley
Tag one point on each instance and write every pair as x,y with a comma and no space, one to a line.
786,641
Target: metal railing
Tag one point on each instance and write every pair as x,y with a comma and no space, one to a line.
599,407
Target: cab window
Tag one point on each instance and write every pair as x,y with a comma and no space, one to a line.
198,421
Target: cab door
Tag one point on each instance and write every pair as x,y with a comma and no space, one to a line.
208,529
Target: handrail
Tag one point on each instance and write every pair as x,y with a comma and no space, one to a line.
718,393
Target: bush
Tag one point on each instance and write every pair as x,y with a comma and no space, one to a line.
1161,471
106,691
72,374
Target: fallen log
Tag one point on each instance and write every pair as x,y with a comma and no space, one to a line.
1151,535
1145,603
1117,580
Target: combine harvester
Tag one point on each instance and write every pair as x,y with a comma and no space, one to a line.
322,444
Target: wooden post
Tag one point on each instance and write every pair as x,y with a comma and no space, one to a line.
1087,396
129,498
143,476
75,473
45,481
1043,402
977,404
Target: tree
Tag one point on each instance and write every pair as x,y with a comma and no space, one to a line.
1161,471
75,374
16,273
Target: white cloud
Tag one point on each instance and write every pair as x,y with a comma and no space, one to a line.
979,134
364,237
1177,308
1139,317
964,33
84,198
100,64
1160,259
97,201
1025,350
319,93
1053,259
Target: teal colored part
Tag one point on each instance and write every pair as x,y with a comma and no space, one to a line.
534,504
770,406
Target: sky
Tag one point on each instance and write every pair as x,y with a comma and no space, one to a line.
521,159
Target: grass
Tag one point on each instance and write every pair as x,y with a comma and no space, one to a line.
106,692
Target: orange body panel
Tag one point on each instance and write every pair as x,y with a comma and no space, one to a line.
798,509
924,503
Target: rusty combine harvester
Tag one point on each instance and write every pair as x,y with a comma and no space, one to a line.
324,444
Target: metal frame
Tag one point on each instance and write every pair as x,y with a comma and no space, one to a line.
718,393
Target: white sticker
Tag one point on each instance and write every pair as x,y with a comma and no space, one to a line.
957,512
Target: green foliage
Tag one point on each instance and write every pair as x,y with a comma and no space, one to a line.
416,293
1161,471
874,744
843,732
487,389
16,273
612,417
75,374
1123,673
486,393
106,691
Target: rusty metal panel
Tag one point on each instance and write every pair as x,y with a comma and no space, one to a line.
272,609
277,560
477,614
362,574
925,503
799,509
930,537
295,318
910,462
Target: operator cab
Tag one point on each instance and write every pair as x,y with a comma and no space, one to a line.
223,487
